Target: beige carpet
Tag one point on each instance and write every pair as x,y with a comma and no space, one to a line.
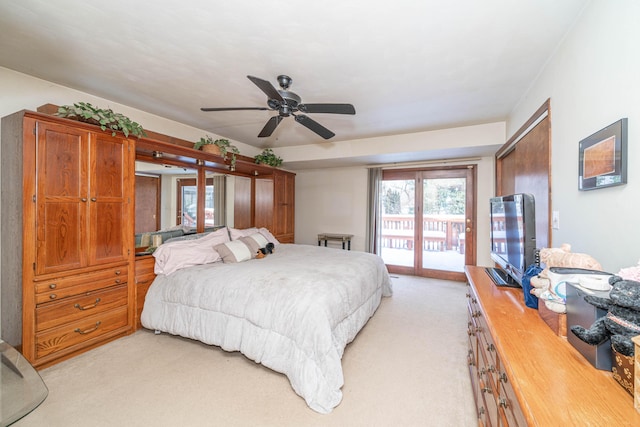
407,367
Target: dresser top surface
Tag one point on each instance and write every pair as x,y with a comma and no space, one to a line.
552,380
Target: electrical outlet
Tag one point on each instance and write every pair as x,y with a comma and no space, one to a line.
555,220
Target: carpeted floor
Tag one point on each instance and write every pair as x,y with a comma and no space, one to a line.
407,367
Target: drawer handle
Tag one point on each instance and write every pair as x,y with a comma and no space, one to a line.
503,377
87,307
52,286
503,402
487,390
118,281
53,296
117,272
87,331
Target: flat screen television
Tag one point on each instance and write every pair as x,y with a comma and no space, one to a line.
513,238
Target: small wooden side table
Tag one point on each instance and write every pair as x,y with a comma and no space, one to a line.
344,238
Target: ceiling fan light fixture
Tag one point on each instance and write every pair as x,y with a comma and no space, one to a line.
284,81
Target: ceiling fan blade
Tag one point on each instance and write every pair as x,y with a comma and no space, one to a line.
232,108
327,108
271,125
314,126
267,88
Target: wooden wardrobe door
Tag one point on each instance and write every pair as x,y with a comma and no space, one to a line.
61,198
264,203
284,191
242,202
108,201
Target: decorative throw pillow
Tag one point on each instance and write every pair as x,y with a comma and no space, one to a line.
259,239
235,251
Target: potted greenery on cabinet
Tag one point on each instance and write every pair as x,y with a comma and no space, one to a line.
268,157
220,147
106,119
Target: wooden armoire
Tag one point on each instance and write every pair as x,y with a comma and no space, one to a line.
67,237
275,205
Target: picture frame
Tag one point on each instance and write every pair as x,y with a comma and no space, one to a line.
603,157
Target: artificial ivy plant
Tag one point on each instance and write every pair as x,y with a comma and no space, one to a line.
268,157
224,145
107,119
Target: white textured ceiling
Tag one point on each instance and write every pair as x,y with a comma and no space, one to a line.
406,65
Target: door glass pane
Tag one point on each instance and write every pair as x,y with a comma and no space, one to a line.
209,203
189,208
443,224
397,218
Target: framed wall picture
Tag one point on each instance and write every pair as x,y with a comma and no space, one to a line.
603,157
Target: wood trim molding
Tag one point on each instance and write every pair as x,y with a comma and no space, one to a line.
545,108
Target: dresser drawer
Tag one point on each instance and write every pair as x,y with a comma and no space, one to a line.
486,342
145,265
56,289
508,402
77,333
142,286
78,307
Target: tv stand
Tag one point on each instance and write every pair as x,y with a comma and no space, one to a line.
522,373
501,278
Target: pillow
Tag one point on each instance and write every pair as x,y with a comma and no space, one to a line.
235,251
270,237
193,236
186,253
237,233
258,238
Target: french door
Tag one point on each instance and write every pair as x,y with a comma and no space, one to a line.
427,221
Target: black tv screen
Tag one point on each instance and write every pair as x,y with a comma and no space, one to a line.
513,236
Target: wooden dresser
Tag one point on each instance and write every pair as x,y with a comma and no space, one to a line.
67,246
144,278
524,374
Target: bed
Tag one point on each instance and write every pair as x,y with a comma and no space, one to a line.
293,311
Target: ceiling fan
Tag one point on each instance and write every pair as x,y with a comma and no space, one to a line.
288,104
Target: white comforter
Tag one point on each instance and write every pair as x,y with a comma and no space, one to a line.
294,311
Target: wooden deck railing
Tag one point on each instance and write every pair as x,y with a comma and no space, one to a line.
440,232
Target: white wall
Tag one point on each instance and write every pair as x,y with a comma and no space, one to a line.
335,201
593,80
22,92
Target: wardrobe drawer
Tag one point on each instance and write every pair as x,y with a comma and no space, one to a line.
56,289
75,334
78,307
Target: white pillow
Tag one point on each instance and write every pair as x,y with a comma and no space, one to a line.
176,255
234,251
270,237
237,233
